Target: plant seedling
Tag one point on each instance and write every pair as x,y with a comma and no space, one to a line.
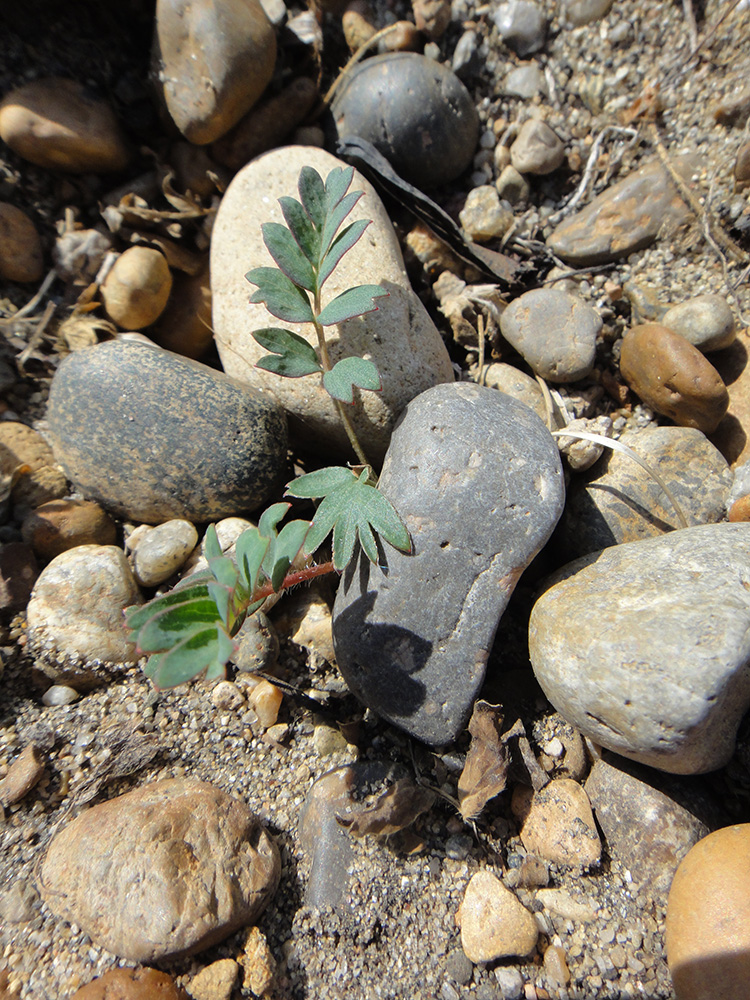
189,632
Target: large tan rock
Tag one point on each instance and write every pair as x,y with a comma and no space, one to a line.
399,337
212,61
59,124
708,918
166,870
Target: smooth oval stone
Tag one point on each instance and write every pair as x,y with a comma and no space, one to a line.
477,479
522,25
59,124
672,377
213,61
77,604
163,550
400,338
706,321
59,525
644,646
537,149
21,257
526,81
626,217
136,288
580,12
708,918
554,331
163,871
620,502
415,111
512,382
151,435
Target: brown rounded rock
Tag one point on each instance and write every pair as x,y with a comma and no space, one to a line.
557,823
740,510
59,525
136,290
213,61
673,377
185,325
163,871
708,918
59,124
20,247
131,984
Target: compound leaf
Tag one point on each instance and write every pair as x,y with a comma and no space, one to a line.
137,616
340,381
251,550
285,250
335,217
351,303
281,296
301,228
168,625
320,483
337,184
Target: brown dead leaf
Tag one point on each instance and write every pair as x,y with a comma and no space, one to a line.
390,811
177,256
486,770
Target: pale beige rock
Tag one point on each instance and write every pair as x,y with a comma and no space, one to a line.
23,774
537,149
162,550
306,618
494,924
557,823
399,337
20,247
163,871
563,904
513,382
213,61
265,700
59,124
706,321
708,918
77,603
137,288
216,981
483,218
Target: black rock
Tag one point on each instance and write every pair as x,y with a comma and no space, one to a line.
477,479
415,111
152,435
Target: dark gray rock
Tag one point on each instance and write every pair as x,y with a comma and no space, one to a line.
554,331
646,830
152,435
618,501
415,111
644,647
477,479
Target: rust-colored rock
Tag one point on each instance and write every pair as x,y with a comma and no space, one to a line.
20,247
740,510
185,325
557,823
708,919
673,377
268,125
59,525
59,124
131,984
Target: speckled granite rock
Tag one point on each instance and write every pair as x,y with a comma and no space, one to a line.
477,479
626,217
644,647
618,501
166,870
152,435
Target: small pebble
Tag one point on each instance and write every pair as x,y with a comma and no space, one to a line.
137,287
21,257
580,12
510,982
536,149
706,321
483,218
25,772
59,694
494,924
216,981
511,185
740,509
162,550
257,962
432,17
265,700
525,81
522,26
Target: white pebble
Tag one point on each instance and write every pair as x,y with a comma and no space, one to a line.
59,694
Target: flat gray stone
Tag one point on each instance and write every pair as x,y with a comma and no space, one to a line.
554,331
646,830
644,647
706,321
477,479
618,501
152,435
628,216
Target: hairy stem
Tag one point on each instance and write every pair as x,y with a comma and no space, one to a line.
325,363
293,578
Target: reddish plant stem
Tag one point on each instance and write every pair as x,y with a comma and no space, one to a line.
292,579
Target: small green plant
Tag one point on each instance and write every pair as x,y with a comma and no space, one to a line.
190,631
